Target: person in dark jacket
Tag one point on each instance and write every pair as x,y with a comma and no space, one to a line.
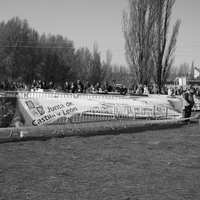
87,86
188,103
80,86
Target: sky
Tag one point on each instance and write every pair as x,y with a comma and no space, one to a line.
88,21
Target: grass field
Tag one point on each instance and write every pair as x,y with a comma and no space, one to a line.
142,162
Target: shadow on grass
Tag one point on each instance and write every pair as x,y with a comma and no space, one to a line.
93,133
32,138
136,129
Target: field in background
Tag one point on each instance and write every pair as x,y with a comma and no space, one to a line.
143,162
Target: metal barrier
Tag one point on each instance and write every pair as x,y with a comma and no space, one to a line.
102,114
68,128
108,116
121,113
30,94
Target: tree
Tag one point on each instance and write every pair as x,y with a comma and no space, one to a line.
33,57
66,55
184,70
57,57
173,73
163,51
145,28
95,73
82,64
192,71
13,37
138,28
106,67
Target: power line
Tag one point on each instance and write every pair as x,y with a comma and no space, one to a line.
35,47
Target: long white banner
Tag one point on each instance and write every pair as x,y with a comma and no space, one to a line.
41,111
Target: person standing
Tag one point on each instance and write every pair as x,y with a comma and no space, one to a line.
67,87
87,86
155,89
188,103
80,86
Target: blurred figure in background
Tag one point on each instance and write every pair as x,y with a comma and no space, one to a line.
146,90
67,87
87,86
80,86
73,87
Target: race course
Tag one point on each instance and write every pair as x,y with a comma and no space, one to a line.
142,162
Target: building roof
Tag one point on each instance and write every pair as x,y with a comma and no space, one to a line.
197,69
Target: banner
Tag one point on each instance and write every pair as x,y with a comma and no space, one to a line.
41,111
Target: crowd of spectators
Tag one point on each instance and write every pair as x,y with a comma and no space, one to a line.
79,87
68,87
101,88
6,86
169,90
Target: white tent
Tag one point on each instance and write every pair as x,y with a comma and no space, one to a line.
182,81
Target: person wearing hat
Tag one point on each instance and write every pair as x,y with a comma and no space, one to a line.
188,103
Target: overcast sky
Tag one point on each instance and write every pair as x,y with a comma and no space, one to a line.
87,21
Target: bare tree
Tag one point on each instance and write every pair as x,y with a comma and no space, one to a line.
163,51
192,71
106,67
108,57
148,51
95,73
173,73
138,28
184,70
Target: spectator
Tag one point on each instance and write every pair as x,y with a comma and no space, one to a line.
51,85
73,87
155,89
91,89
176,91
170,91
164,91
188,103
80,86
13,87
197,93
97,87
146,90
39,84
44,85
67,86
106,87
181,90
33,85
123,90
140,89
130,89
87,86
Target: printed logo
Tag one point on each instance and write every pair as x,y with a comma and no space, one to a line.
35,107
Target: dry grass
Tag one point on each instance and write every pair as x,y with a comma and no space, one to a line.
149,162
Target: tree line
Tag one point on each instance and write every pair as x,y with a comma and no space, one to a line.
149,50
25,55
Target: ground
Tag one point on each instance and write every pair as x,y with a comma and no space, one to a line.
151,162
